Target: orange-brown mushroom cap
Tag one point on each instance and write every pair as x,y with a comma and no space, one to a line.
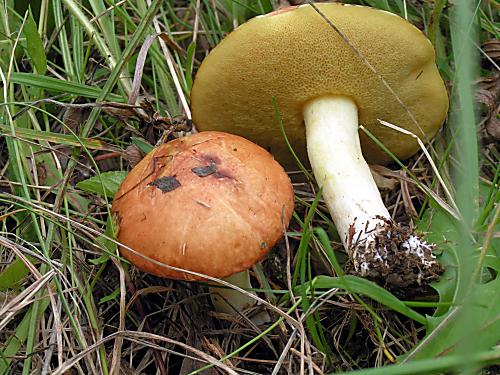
212,203
295,56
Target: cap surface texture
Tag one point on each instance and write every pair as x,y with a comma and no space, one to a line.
295,56
211,203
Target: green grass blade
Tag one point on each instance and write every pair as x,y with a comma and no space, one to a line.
69,66
57,138
60,86
113,60
367,288
34,44
434,365
16,341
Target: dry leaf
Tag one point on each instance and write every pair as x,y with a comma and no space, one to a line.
383,182
405,193
73,117
488,94
216,350
133,155
492,49
493,125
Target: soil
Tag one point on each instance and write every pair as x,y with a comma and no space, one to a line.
394,257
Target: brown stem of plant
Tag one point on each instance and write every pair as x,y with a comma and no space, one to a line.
156,353
108,155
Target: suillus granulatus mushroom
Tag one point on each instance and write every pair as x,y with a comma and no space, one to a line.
325,88
212,203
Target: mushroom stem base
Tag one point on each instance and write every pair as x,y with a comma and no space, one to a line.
394,256
233,302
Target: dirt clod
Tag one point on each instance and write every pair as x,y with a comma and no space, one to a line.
394,257
166,184
205,170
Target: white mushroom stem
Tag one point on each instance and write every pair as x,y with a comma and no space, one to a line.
349,189
338,164
231,301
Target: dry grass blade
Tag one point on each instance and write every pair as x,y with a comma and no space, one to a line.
173,72
145,291
139,67
23,299
491,49
41,280
313,366
284,353
403,178
136,300
487,242
117,348
456,214
405,193
145,336
111,8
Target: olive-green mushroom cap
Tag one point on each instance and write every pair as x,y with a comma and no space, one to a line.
295,56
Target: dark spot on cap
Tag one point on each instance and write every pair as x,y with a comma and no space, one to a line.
263,245
210,158
166,184
205,170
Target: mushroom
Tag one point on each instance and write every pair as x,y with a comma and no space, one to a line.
211,203
324,88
